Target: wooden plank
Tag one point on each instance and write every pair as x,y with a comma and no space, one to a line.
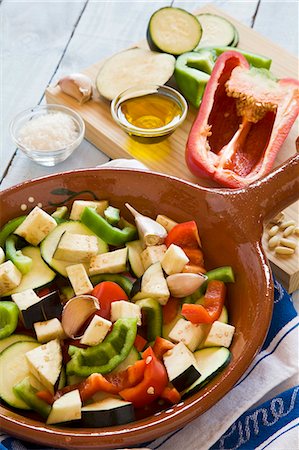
33,37
168,156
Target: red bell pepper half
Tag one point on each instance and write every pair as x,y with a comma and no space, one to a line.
244,118
151,386
212,307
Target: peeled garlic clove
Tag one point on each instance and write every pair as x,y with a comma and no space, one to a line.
75,313
78,86
150,231
183,284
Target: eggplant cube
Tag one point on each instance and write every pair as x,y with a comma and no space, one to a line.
51,305
108,412
66,408
48,330
76,248
181,366
79,279
111,262
30,307
45,363
188,333
174,260
122,309
10,277
220,335
79,206
96,331
152,254
36,226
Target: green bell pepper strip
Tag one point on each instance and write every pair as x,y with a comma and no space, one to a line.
9,228
112,215
224,274
107,355
9,314
121,280
154,318
22,262
111,235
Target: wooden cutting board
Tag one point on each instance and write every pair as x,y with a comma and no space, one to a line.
169,156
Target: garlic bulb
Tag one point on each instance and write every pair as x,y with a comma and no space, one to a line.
77,85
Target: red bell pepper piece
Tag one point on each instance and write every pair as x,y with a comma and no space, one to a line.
212,307
152,385
244,118
193,268
171,395
195,256
46,396
107,292
161,346
184,234
139,343
170,310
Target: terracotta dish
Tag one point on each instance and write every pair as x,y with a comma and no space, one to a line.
230,224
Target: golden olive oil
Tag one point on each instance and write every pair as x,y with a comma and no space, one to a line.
150,111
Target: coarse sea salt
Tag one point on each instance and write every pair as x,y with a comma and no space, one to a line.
51,131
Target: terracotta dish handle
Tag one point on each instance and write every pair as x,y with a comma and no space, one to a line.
271,194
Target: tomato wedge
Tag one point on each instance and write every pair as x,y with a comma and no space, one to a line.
170,310
107,292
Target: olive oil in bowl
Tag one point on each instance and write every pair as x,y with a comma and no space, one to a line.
149,114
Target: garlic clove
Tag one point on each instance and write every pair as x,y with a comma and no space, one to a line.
77,85
75,313
183,284
150,231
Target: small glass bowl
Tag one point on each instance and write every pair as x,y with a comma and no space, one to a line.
148,135
46,157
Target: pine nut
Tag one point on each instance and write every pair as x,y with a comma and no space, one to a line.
289,230
273,230
274,241
284,250
288,243
287,223
278,218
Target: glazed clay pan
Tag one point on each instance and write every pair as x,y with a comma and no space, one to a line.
230,224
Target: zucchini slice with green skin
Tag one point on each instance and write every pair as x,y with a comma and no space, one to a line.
13,369
107,412
209,362
6,342
173,30
49,244
39,274
216,31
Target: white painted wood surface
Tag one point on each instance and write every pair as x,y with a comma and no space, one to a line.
40,41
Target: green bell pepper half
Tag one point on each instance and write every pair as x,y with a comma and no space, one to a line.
193,69
154,319
110,234
192,72
9,314
224,274
9,228
107,355
27,393
22,262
